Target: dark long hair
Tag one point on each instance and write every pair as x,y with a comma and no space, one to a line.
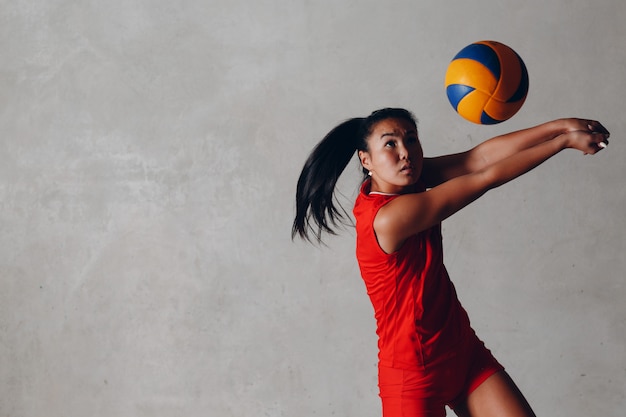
317,209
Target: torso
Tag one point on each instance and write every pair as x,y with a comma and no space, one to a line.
419,318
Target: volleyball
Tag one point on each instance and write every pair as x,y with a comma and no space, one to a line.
486,82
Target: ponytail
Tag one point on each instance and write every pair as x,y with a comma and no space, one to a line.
317,210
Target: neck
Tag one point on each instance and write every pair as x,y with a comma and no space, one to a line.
375,188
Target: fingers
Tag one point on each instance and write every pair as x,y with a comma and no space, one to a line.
589,136
596,127
587,141
600,141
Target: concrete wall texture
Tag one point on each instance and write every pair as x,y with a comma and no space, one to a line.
150,151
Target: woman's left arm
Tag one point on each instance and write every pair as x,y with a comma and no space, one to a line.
440,169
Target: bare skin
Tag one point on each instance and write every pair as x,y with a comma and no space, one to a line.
498,396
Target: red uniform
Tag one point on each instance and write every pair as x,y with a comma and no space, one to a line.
429,356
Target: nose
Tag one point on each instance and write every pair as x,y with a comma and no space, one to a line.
403,152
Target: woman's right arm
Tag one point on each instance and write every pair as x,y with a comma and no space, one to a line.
440,169
412,213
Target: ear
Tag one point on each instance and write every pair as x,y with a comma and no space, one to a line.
364,157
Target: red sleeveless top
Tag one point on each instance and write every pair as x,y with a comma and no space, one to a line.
418,315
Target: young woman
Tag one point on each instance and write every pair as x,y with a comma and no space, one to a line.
429,356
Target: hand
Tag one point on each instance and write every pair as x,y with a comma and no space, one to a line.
573,124
590,140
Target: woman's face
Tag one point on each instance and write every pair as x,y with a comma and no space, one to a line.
394,156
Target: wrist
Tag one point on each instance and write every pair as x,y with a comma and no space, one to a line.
558,127
561,140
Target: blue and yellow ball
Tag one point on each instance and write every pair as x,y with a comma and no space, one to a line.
486,82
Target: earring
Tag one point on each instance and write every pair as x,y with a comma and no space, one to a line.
369,173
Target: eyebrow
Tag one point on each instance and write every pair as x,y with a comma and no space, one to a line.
398,134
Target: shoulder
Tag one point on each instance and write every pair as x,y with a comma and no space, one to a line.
368,205
401,218
367,201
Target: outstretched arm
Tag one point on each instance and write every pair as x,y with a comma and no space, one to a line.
440,169
411,213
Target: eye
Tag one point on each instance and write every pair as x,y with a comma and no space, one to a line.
411,139
390,144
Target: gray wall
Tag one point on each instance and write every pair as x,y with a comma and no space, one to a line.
150,151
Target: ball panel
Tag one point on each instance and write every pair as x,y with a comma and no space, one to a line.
501,110
456,93
485,119
482,52
471,107
471,73
511,72
522,88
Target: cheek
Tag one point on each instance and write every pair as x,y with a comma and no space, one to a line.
418,152
390,159
420,168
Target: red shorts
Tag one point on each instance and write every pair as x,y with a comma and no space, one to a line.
425,393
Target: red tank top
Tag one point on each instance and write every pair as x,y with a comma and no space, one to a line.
419,318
